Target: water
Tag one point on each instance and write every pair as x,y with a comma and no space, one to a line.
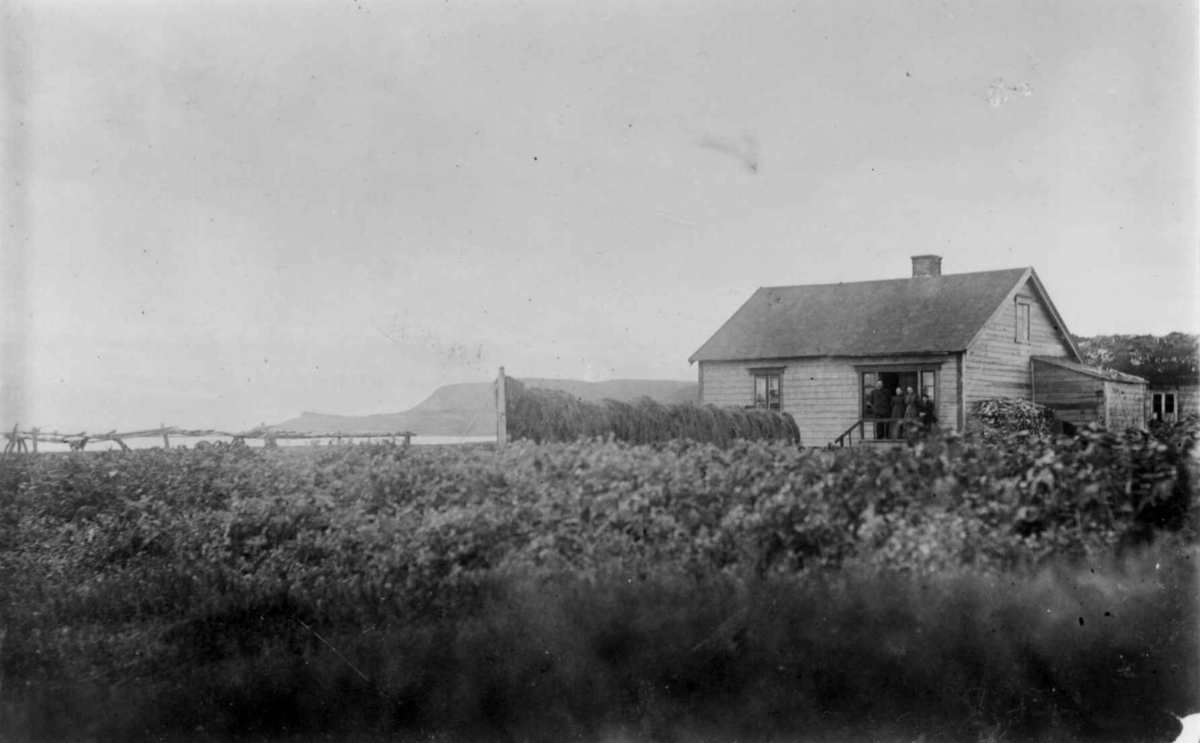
190,442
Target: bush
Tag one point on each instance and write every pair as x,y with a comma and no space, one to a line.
573,589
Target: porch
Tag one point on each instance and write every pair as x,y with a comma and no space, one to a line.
865,431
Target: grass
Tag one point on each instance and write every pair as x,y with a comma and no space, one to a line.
1082,653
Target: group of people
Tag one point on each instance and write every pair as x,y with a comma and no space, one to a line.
894,414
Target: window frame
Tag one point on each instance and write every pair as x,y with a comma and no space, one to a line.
1024,328
767,374
1166,404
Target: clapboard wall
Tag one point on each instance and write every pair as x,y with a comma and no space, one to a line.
997,364
822,394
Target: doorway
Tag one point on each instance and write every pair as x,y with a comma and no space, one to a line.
923,382
902,380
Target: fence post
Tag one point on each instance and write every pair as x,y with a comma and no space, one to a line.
501,409
166,439
35,438
12,438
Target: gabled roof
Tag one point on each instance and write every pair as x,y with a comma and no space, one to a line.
910,316
1110,375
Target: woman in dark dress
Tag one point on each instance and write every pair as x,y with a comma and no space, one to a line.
910,409
898,413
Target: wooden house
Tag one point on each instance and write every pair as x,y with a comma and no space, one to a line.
817,351
1172,402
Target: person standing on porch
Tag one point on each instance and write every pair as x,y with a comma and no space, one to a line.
927,413
897,414
910,408
881,409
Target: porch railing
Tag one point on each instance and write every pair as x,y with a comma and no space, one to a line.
867,433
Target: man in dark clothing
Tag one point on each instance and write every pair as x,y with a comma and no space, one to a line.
881,405
927,413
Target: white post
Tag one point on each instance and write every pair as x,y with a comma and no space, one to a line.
501,409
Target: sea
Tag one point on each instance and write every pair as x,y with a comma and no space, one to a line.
190,442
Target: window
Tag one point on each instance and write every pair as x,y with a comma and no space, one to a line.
767,394
868,386
1022,321
1162,406
929,384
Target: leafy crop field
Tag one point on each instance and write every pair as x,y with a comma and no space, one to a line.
1035,590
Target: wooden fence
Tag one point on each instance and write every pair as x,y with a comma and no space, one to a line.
24,441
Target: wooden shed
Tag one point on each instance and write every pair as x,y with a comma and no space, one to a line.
1082,394
816,351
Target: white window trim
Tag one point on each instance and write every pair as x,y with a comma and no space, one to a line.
766,372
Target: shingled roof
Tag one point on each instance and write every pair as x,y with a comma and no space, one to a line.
1111,375
925,315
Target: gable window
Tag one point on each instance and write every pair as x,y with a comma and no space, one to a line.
1022,321
768,388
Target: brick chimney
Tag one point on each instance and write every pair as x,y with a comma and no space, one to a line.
927,266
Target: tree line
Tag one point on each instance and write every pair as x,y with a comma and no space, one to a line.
1162,360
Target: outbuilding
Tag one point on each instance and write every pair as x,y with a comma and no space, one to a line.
1082,394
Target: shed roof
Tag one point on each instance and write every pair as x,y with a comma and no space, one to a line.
1109,375
925,315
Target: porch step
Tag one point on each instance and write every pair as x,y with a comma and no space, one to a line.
881,443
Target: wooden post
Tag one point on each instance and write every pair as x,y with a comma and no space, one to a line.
501,409
35,435
11,445
166,438
960,395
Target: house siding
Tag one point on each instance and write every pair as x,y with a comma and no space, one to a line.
996,364
822,394
1070,394
1082,399
1125,405
1187,400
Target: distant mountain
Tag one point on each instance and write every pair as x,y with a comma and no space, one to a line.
469,409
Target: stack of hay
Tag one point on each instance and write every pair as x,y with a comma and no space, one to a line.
552,415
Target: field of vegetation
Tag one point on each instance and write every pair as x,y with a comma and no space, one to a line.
1028,589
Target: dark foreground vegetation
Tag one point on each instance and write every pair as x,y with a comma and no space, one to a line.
1039,590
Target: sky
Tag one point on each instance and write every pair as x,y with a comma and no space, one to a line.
225,213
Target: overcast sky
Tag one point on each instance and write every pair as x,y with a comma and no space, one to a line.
220,214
